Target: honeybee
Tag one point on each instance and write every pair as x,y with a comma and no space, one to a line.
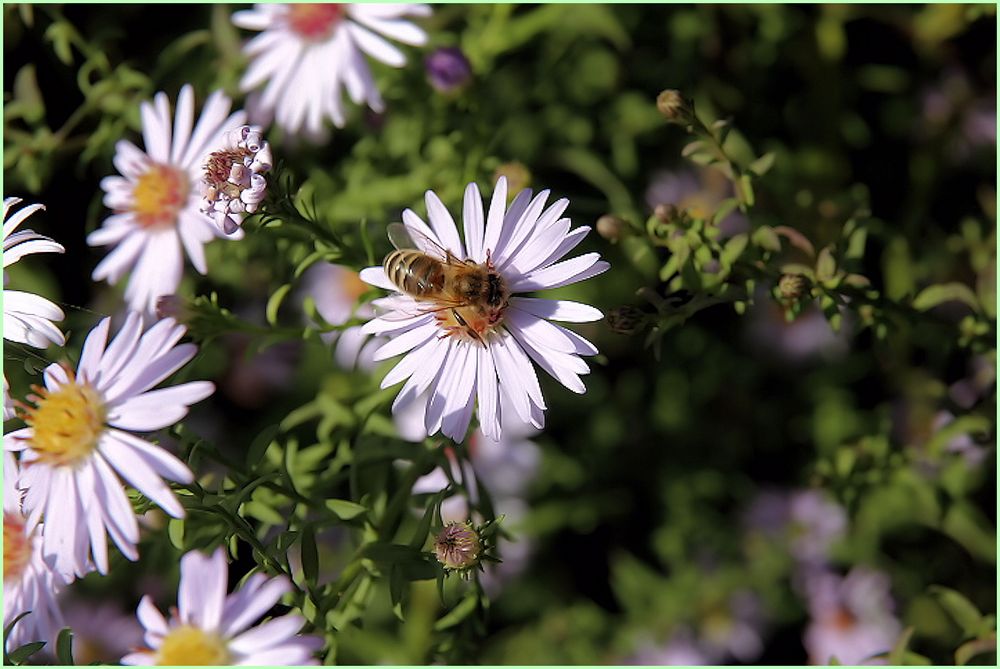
468,298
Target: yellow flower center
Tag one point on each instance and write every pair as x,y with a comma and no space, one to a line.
16,547
314,22
159,196
66,423
192,646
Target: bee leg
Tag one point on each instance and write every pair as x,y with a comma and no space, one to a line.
462,322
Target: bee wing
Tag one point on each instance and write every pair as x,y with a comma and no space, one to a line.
404,308
404,238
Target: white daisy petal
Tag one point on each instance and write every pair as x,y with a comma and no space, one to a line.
472,218
557,310
406,341
264,598
443,224
27,318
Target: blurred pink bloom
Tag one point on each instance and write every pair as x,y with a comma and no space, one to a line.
851,617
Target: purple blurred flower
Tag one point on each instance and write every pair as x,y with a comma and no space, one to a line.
808,336
806,519
448,69
730,631
852,617
699,192
681,649
102,633
965,117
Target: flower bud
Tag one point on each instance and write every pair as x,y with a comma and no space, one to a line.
675,107
793,287
611,227
458,546
448,69
518,177
625,320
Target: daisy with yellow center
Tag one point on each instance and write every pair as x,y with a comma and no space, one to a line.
156,202
212,628
29,584
307,53
451,377
79,439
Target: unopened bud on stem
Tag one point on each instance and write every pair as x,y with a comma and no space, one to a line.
793,287
611,227
675,107
625,320
457,546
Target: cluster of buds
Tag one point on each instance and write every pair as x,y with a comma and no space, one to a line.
234,183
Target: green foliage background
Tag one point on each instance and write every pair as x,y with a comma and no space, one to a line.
636,514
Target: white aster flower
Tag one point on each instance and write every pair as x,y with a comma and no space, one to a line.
29,583
523,245
233,184
27,318
80,433
308,52
156,201
336,290
210,627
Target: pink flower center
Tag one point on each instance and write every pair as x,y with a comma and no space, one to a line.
159,195
315,22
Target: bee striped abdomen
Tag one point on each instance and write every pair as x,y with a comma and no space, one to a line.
414,273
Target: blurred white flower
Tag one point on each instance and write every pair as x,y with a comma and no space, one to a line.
233,183
211,627
851,617
523,244
307,53
29,583
102,632
336,289
27,318
157,199
79,440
